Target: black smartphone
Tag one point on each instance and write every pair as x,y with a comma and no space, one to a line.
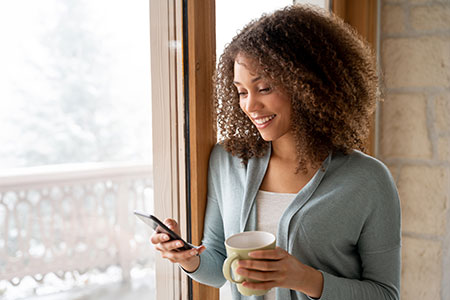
159,227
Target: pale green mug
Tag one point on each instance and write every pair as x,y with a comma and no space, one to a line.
238,247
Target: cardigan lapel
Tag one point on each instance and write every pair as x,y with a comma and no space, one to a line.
299,201
256,169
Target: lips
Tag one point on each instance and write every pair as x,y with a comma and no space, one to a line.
262,122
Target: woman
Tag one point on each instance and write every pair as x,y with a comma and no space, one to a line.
295,92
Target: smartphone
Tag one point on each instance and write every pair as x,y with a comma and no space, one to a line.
159,227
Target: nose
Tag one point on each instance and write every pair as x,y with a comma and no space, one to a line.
252,103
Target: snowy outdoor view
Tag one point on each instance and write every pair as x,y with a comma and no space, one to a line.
75,155
75,82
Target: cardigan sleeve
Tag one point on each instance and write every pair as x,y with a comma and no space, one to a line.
209,271
381,279
379,247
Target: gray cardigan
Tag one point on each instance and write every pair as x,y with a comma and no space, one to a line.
345,222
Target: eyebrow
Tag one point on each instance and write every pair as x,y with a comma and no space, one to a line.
253,80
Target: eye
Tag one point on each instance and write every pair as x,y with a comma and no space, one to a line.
265,90
242,94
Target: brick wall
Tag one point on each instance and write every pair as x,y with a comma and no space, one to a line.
415,137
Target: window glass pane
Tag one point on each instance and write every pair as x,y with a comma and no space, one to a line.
320,3
232,15
75,160
74,82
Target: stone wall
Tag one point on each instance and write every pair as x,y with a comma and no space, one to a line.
415,137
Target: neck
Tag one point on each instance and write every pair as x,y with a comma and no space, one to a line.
285,149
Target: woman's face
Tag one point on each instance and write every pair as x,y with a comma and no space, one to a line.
268,108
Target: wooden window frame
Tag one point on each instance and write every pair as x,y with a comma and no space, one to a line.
169,161
201,30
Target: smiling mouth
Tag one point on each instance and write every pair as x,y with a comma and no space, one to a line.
263,121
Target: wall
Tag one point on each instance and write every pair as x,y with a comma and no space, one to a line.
415,137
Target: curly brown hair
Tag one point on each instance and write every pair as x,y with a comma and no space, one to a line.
322,64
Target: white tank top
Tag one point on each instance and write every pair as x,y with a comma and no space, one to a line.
270,206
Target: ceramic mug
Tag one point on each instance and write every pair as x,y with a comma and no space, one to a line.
238,247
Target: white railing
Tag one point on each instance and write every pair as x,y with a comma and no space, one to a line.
73,218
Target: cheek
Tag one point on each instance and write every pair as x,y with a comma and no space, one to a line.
242,105
286,111
282,106
287,106
289,110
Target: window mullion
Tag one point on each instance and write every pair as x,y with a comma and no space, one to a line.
168,152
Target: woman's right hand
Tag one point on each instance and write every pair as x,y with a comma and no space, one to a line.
188,259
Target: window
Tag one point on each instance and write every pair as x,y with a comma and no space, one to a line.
75,125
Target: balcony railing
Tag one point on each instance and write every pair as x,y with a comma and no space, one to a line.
71,219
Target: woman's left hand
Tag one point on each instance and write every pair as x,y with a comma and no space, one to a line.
277,268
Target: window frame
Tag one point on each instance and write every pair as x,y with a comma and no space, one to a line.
201,47
169,161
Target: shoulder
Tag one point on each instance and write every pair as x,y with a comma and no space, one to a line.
225,171
218,151
360,166
223,163
220,156
364,175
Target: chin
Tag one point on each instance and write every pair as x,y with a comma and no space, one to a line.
267,138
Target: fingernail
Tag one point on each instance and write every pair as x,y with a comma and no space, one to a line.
165,237
193,252
179,244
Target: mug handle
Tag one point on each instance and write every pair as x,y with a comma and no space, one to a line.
226,269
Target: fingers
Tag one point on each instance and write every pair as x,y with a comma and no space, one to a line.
269,267
172,224
262,265
169,246
170,249
264,285
157,238
258,275
179,256
200,249
276,254
163,237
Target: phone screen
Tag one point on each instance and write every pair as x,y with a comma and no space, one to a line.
159,227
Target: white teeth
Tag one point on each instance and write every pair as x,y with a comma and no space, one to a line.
261,121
